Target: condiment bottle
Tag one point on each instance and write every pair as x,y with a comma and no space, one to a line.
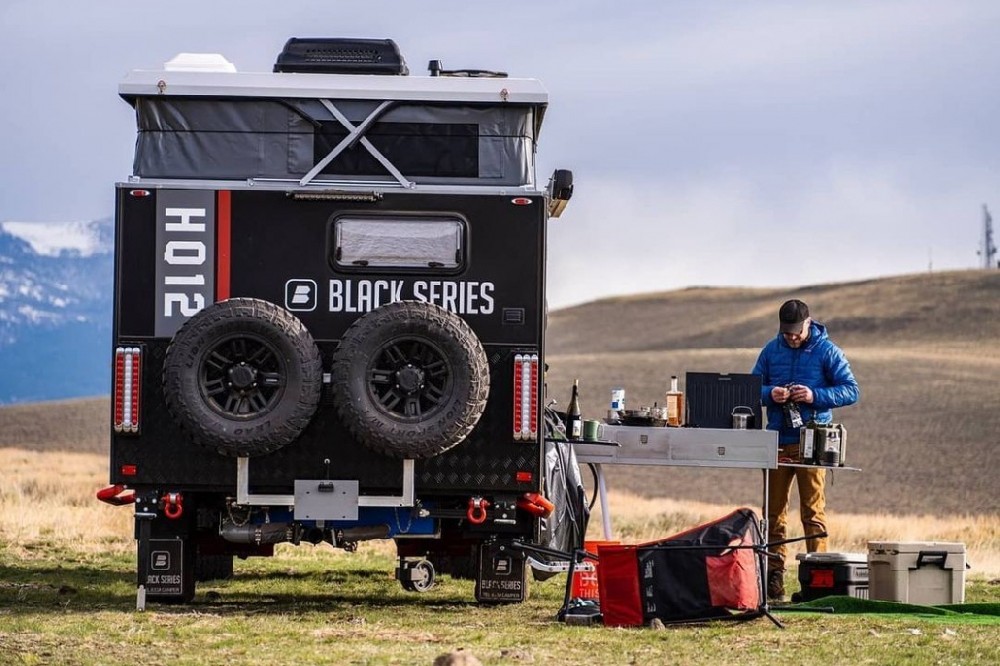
574,420
675,404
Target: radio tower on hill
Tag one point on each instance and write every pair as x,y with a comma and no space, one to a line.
989,250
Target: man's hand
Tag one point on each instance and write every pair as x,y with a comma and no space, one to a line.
780,394
801,393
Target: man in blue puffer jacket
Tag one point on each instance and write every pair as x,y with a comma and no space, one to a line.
800,365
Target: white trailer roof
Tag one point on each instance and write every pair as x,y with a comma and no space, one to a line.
193,83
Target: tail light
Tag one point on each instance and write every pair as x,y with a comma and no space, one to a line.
128,370
526,397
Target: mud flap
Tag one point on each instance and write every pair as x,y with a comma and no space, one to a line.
165,562
501,576
166,569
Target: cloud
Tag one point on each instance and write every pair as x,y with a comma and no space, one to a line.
849,222
704,136
52,238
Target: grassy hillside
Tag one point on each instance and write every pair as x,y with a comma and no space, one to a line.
60,425
953,309
923,347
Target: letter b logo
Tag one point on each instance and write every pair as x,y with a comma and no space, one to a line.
300,295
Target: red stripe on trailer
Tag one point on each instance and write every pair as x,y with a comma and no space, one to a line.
223,243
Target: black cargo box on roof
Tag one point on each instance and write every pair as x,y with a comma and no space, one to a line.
341,56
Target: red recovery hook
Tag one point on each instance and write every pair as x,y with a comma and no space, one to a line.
116,495
535,504
173,505
477,510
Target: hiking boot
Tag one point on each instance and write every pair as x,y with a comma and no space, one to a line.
776,585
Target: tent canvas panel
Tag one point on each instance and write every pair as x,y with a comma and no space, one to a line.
285,138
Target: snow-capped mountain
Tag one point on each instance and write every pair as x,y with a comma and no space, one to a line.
55,309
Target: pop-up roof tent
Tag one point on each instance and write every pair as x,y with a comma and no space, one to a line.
198,118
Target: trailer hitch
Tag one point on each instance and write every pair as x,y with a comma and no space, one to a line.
116,495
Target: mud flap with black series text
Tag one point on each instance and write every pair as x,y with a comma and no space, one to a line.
165,554
501,576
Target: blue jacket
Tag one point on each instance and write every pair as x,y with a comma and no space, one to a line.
818,364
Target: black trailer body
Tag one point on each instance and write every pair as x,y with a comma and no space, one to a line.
326,338
281,249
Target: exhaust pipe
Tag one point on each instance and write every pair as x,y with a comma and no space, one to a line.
257,534
363,533
314,536
268,533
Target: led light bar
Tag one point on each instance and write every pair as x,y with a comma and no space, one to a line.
128,364
526,397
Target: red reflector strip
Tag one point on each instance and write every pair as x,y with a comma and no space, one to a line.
518,381
127,389
136,372
524,477
129,470
119,388
533,428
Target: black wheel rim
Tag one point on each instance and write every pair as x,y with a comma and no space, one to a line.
409,379
242,376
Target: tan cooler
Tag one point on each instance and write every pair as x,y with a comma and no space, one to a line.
917,572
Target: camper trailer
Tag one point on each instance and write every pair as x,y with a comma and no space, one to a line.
329,315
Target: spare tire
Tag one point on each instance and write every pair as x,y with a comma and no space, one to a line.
410,380
242,377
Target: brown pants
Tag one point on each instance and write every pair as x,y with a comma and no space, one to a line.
812,507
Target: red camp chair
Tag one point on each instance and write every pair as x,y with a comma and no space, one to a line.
713,571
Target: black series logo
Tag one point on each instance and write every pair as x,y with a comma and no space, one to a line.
301,295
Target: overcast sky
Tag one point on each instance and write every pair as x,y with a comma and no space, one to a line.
713,143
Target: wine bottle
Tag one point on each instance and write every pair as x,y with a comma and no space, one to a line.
574,420
675,404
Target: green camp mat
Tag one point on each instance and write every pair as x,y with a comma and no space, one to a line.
980,612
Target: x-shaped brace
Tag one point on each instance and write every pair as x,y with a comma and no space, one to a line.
354,133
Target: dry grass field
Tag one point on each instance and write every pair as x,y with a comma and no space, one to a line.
925,433
47,508
924,353
925,350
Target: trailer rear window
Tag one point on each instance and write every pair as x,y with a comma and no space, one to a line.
412,242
